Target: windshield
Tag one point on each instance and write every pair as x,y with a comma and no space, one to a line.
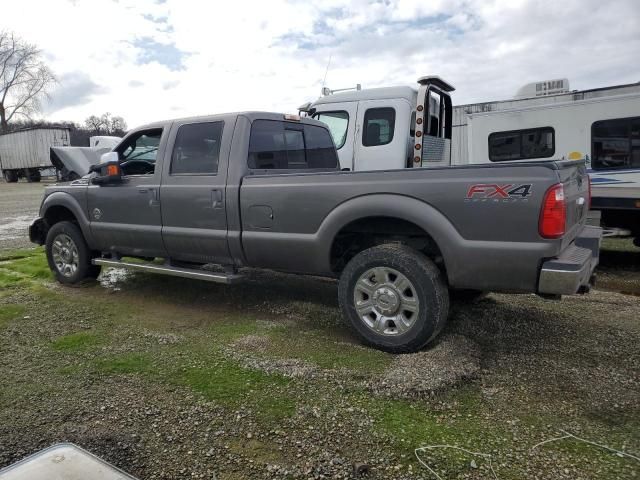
337,122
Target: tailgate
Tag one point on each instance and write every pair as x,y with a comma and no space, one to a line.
575,180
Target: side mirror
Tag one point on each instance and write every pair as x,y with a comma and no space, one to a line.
109,157
108,169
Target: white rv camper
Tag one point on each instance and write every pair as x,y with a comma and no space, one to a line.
375,129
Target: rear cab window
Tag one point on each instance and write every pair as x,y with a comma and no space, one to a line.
196,149
284,146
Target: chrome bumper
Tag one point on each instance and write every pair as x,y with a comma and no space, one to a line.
571,272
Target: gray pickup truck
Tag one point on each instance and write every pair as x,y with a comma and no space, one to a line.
264,190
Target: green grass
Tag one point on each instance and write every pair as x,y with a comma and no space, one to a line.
20,253
10,312
124,364
23,266
232,385
76,342
412,424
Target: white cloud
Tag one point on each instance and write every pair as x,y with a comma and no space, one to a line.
147,60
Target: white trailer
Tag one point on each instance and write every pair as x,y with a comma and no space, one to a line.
25,153
544,120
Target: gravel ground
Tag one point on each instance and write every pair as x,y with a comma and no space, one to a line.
172,378
19,204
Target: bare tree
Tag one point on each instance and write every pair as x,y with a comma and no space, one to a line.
24,79
106,124
95,123
118,125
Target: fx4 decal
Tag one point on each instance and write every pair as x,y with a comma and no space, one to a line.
485,192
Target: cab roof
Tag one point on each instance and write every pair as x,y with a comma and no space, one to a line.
251,115
408,93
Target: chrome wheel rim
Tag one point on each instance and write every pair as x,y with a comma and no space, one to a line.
65,254
386,301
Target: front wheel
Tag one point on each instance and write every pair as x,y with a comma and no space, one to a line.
394,297
68,255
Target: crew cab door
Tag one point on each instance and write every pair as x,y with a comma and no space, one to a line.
340,118
125,216
382,134
194,219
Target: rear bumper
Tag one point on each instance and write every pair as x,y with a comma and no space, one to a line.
573,269
38,231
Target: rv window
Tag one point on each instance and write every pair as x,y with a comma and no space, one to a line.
379,124
521,144
337,122
275,145
196,149
615,143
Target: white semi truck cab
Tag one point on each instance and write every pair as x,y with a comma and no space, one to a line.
389,128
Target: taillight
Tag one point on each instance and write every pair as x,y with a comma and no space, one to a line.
554,213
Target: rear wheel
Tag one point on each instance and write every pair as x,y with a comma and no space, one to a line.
10,176
35,176
394,297
68,255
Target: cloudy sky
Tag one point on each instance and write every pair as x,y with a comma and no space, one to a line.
152,59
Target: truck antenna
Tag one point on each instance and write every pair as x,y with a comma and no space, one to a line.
326,72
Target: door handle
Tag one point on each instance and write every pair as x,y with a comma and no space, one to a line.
216,198
154,201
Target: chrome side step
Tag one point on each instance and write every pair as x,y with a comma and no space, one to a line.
170,270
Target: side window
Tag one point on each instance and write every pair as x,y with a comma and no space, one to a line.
337,122
522,144
616,143
138,153
379,124
196,149
275,145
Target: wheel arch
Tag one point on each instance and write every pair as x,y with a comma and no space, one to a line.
384,213
60,206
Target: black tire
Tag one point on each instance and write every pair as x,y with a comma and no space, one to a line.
467,295
10,176
81,258
427,284
35,176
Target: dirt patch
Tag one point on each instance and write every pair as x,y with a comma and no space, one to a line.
253,343
164,338
451,361
246,350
